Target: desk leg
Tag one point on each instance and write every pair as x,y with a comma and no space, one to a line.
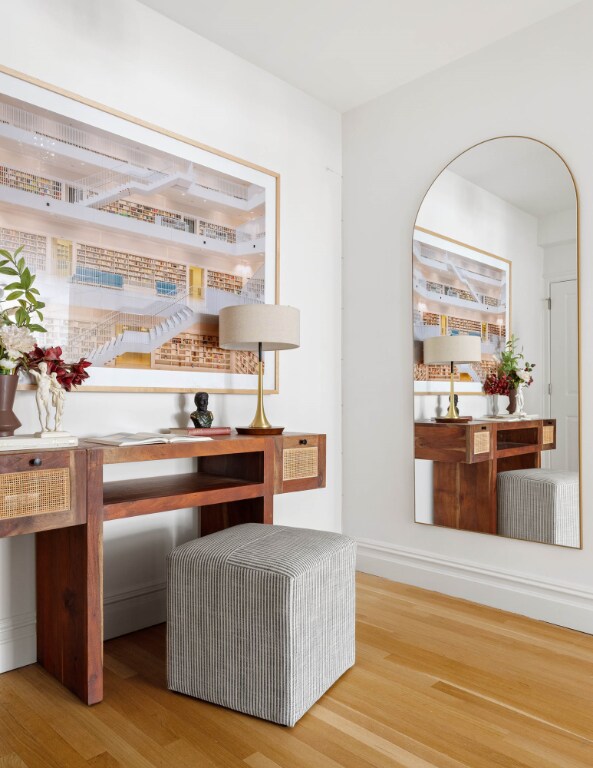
464,496
69,597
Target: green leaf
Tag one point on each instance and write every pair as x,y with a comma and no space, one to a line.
12,286
14,295
39,315
8,271
5,254
26,278
37,328
21,316
21,264
18,250
40,304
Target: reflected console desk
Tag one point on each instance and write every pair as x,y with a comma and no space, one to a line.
60,495
466,459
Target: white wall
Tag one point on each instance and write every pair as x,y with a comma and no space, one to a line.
530,84
121,54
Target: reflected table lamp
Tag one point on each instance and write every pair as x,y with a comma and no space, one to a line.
259,328
451,350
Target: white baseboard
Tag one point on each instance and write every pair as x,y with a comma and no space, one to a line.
557,603
124,612
18,641
134,609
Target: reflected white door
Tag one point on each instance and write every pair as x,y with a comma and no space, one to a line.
564,398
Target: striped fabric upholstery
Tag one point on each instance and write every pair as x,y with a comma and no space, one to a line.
539,505
261,618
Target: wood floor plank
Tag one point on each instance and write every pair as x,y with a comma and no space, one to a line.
438,683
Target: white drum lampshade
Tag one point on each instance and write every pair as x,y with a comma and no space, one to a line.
259,328
247,326
457,349
452,349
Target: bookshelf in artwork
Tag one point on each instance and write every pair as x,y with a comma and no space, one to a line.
217,232
29,182
35,247
151,215
225,281
133,268
193,350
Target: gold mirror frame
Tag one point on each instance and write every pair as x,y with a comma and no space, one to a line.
579,332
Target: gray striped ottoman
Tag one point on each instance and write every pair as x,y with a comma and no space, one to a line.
539,505
261,618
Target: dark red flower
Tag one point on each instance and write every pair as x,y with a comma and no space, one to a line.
69,375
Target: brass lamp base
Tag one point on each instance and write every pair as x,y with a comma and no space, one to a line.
260,430
452,420
260,424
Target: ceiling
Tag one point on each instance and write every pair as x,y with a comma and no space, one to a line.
524,172
346,52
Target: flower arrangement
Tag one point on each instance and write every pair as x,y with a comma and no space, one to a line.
513,365
68,375
512,371
495,384
18,320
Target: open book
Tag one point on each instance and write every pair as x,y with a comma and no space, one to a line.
144,438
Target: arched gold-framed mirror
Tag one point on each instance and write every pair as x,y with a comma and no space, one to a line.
496,308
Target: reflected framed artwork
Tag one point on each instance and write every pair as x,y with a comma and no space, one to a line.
458,290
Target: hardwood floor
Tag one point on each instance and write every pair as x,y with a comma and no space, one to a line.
438,682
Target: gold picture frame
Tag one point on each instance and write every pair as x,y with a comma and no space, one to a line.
100,123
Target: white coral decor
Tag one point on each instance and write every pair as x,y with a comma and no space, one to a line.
15,343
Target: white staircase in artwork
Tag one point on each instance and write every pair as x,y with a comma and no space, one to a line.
142,332
143,341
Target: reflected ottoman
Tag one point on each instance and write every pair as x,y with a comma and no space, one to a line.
539,505
261,618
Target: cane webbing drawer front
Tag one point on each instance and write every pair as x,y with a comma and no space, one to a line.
481,442
298,463
37,492
548,434
42,491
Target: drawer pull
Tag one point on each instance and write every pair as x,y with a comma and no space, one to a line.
303,442
36,462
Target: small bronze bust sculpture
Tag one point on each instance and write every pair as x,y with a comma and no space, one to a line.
202,417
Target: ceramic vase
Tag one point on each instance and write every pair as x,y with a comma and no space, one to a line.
512,406
8,420
493,406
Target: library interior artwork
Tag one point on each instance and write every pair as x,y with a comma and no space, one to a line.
495,256
137,240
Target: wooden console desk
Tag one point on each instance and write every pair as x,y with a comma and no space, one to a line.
467,458
60,495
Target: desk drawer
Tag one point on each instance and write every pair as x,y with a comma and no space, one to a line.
40,491
299,463
548,434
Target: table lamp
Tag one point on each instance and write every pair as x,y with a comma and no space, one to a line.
452,349
259,328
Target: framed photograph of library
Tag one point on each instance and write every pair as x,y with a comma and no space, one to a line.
138,238
458,290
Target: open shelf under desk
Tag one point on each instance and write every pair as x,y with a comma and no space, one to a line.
128,498
504,449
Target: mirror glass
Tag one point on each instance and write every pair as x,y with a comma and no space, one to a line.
496,345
